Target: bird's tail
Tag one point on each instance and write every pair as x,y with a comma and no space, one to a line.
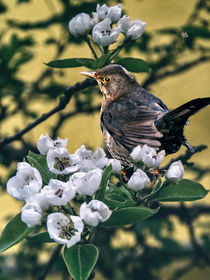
172,123
188,109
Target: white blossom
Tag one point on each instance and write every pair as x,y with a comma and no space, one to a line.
87,183
25,183
95,18
102,11
99,158
114,13
45,143
136,29
59,161
132,30
31,214
94,212
138,180
58,192
175,172
90,160
64,230
80,25
116,165
103,34
124,24
40,199
147,156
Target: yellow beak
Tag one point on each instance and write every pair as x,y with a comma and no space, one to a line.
89,74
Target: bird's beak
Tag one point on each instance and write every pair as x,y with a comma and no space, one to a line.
89,74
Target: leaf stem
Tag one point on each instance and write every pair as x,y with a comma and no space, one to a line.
118,49
106,49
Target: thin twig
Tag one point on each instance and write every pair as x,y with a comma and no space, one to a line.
183,270
184,158
181,68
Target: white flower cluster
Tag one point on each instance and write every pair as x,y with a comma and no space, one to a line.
77,176
102,22
79,173
149,158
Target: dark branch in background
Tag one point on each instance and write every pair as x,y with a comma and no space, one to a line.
200,209
65,117
64,100
179,69
184,158
183,270
52,259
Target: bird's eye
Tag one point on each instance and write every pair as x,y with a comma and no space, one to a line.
107,79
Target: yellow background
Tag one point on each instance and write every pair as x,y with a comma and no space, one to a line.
83,129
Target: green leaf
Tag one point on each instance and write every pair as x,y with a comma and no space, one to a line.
131,215
79,62
69,62
40,163
14,232
156,189
185,190
117,197
104,180
133,64
80,260
42,237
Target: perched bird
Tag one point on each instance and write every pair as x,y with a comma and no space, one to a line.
131,115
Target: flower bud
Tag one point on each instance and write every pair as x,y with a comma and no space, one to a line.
31,214
87,183
132,30
138,180
136,29
116,165
114,13
175,172
94,212
102,11
80,25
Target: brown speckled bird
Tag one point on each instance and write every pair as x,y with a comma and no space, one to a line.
131,115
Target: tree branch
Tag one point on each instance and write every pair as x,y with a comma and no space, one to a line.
52,259
64,117
64,100
181,68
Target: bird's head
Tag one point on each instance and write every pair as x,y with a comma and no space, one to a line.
113,80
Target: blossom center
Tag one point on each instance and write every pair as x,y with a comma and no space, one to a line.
28,179
106,32
61,163
67,231
59,193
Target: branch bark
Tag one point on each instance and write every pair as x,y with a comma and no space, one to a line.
64,100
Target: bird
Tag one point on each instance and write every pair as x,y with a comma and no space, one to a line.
131,115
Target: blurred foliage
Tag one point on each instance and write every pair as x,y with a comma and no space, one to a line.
142,261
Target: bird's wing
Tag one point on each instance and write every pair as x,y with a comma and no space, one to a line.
131,125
